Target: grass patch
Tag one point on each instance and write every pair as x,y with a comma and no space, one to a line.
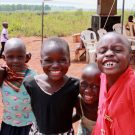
55,23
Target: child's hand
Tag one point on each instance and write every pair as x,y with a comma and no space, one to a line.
28,57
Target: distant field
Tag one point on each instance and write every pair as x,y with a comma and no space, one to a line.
55,24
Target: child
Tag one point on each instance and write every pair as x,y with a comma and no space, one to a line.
88,102
116,114
4,36
53,94
18,116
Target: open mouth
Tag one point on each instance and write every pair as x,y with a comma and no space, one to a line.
110,64
88,98
55,73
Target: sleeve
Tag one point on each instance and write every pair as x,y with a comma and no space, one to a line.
77,113
4,32
28,84
76,90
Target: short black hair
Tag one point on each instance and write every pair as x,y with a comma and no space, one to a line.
57,41
14,42
130,18
118,36
93,68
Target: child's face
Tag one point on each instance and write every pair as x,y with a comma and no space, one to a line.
55,62
5,25
15,58
89,88
113,57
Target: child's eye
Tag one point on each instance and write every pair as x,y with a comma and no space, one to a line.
63,60
83,85
118,50
102,50
47,61
94,86
10,57
20,57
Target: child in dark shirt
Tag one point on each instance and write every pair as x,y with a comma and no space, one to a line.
53,94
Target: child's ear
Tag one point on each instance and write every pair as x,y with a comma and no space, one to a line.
28,57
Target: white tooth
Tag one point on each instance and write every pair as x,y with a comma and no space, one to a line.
55,72
110,64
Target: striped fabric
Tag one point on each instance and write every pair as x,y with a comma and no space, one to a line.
14,79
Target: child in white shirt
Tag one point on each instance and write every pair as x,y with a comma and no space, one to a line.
4,36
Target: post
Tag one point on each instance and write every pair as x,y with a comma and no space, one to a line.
42,21
122,18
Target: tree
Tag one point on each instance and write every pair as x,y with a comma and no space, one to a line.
47,8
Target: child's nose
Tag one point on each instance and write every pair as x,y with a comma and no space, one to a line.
109,53
88,90
15,60
55,64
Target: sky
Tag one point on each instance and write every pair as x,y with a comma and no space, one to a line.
88,4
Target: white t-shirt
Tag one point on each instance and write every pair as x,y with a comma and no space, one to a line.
4,32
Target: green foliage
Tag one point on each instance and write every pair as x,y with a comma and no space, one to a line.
20,7
47,8
79,12
55,23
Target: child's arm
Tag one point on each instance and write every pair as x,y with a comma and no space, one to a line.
2,75
77,114
5,36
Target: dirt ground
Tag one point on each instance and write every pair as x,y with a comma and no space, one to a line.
33,45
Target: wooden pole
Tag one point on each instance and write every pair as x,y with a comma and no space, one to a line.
42,21
122,18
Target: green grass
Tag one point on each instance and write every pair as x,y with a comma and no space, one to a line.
55,23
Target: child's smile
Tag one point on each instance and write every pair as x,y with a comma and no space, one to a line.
110,64
55,73
89,98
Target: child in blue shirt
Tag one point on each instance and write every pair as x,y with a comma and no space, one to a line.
18,116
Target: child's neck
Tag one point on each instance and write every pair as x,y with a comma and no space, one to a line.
93,105
90,110
54,86
111,79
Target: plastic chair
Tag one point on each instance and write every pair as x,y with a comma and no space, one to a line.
117,27
101,32
89,39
